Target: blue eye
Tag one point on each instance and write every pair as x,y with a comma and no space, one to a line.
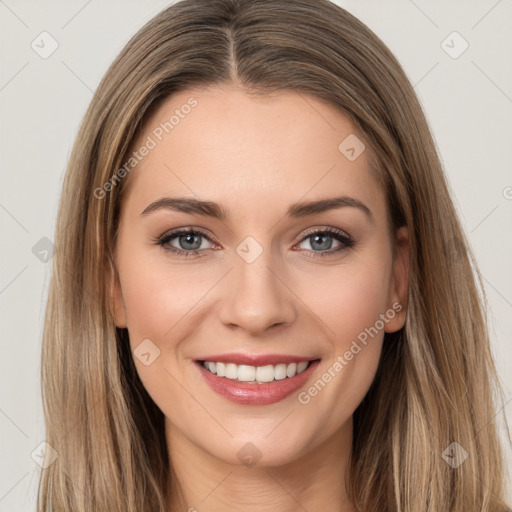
322,240
187,239
190,242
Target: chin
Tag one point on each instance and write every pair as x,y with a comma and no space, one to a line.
258,452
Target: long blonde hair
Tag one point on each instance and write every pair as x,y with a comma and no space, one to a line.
436,381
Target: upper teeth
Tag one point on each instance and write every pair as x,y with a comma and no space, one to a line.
246,373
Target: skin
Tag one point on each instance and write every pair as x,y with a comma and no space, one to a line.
256,156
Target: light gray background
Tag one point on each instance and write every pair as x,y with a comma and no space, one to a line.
468,101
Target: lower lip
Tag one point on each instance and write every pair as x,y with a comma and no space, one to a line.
257,394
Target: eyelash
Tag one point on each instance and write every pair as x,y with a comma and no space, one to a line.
337,234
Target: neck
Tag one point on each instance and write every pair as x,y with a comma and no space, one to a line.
314,481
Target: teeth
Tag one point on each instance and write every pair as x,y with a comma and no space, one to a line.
256,374
302,366
291,370
245,373
280,371
231,371
265,373
221,369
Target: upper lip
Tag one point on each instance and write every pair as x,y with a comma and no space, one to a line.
255,359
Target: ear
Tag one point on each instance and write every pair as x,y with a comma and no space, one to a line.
116,300
398,286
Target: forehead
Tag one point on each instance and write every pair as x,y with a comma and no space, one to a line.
224,144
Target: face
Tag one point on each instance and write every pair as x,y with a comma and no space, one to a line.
268,285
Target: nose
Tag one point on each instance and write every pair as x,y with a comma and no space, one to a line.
255,297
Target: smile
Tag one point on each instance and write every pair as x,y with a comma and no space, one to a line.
252,384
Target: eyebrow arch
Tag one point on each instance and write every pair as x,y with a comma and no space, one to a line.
215,210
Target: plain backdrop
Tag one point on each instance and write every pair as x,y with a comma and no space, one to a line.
466,94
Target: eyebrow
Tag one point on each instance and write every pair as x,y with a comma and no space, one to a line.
215,210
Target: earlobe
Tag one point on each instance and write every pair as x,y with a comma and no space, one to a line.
397,301
116,301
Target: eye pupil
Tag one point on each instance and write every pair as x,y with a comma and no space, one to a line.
189,240
323,245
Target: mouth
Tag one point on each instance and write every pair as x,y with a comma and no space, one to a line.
256,384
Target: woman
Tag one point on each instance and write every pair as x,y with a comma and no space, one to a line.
262,297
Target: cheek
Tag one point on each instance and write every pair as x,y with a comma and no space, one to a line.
158,296
348,298
159,299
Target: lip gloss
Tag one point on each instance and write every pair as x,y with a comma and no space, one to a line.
256,394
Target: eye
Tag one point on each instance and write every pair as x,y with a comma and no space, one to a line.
189,242
321,241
